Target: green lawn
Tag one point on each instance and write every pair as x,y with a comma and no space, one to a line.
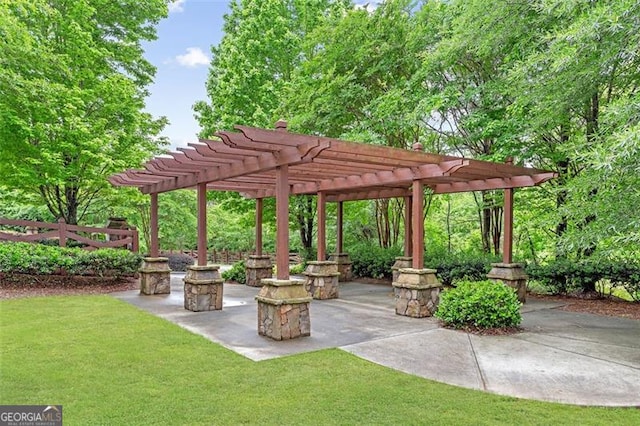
107,362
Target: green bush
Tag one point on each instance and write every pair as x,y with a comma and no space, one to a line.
237,273
38,259
297,269
479,304
563,275
372,261
452,268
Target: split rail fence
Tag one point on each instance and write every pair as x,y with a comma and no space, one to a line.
114,238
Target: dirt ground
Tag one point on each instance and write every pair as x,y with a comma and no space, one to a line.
17,288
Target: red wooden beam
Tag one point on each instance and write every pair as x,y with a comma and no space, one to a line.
322,223
154,250
282,222
339,236
202,224
407,226
259,208
417,225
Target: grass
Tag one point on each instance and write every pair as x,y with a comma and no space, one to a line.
107,362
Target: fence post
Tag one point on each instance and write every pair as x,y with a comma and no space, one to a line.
135,244
62,232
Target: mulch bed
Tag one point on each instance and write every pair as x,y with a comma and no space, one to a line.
14,286
607,306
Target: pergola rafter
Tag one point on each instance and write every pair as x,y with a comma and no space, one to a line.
260,163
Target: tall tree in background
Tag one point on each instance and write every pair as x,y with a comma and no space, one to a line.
72,88
262,46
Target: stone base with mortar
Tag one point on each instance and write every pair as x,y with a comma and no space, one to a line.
400,263
155,276
344,266
257,268
322,279
283,309
417,292
203,288
512,275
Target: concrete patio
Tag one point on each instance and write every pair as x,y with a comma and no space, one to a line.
560,356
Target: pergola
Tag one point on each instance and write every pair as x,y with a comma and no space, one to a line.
260,163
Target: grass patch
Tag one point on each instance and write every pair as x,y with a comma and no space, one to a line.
107,362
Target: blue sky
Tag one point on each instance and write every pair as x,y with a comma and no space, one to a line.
181,55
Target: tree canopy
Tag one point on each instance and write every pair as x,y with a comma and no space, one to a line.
72,88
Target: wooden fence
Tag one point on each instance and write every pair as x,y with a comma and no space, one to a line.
125,238
228,257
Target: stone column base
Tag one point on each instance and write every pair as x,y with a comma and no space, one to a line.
203,288
257,268
344,265
283,309
417,292
155,276
322,280
400,263
512,275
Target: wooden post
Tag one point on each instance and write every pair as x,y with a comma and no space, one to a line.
407,226
507,245
135,243
417,225
339,235
259,207
154,250
62,232
202,224
282,222
322,222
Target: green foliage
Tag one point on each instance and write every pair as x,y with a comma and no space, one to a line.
237,273
179,261
479,304
564,275
373,261
73,79
297,269
458,267
39,259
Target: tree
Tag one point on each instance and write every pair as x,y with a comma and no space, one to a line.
262,45
72,88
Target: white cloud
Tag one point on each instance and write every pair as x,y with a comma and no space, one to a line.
193,58
176,6
369,6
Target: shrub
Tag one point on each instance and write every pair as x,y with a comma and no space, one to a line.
564,275
372,261
460,267
479,304
237,273
38,259
297,269
179,261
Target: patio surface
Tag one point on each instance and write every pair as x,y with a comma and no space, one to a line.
560,356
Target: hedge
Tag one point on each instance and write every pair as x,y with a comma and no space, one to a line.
39,259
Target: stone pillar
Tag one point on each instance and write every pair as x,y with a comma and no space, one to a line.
322,280
155,276
257,268
283,309
511,274
344,265
400,263
417,292
203,288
